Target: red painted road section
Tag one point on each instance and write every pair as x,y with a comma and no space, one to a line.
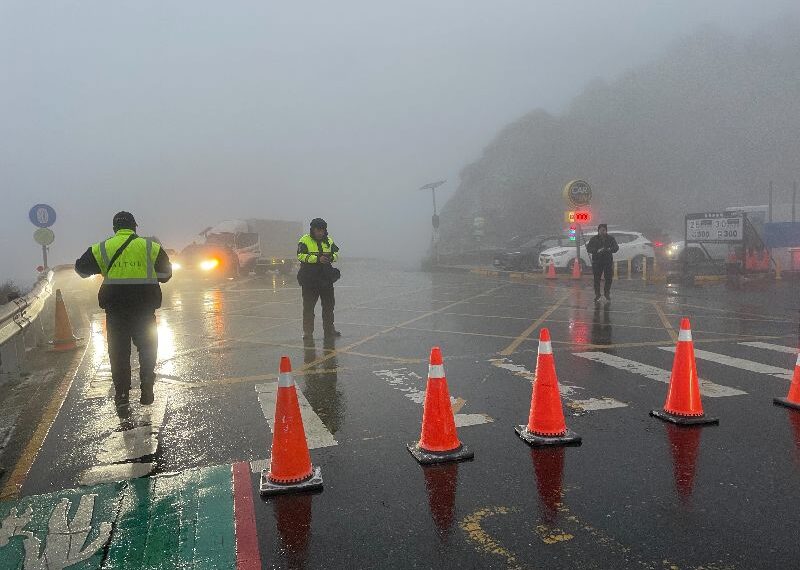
248,555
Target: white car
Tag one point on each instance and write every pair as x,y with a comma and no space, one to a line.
632,245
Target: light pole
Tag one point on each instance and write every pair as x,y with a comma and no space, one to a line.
434,220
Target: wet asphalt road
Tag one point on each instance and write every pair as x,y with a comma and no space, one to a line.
637,494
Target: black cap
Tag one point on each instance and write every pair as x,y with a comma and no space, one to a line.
319,223
124,221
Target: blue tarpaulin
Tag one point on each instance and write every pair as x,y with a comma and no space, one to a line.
782,234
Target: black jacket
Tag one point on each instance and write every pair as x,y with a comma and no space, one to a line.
133,298
602,248
318,275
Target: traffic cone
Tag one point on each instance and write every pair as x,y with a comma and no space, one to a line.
290,468
546,424
64,339
683,405
576,269
792,399
551,270
438,442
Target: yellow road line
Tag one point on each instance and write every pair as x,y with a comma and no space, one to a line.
665,321
527,332
23,466
399,325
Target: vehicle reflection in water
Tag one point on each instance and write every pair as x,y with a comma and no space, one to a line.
440,483
601,325
166,346
214,309
548,466
293,520
320,384
578,327
684,443
97,333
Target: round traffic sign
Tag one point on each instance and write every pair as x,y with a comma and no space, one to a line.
578,193
42,215
44,236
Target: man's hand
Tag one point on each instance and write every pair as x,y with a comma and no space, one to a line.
324,259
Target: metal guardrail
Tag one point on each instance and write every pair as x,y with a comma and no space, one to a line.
18,314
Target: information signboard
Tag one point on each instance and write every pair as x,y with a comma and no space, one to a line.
715,227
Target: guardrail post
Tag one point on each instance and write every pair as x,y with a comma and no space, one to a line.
11,355
616,270
630,272
644,269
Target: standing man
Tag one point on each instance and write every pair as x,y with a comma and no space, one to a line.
132,268
602,248
316,252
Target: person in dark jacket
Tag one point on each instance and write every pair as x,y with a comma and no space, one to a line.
132,268
316,252
602,248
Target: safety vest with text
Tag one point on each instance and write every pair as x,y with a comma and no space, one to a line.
134,266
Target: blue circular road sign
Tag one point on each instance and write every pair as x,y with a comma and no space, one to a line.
42,216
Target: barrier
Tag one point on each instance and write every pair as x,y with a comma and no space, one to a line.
20,326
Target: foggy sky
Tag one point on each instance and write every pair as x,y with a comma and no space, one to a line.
188,113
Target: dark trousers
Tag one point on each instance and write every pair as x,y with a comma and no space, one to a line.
602,268
122,328
310,296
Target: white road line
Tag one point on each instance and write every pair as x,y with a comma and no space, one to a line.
567,391
317,435
407,381
774,347
658,374
740,363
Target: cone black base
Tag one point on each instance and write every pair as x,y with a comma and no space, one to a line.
569,438
313,483
683,420
786,403
426,457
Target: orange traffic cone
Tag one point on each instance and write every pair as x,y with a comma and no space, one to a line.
546,424
576,269
551,271
438,442
290,468
683,405
64,338
792,399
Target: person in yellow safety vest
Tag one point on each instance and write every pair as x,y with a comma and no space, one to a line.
132,268
316,251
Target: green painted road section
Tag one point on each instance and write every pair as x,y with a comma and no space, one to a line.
171,521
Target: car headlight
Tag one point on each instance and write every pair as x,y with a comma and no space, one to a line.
209,264
176,266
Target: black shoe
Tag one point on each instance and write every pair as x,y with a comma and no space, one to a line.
123,406
332,334
147,396
597,299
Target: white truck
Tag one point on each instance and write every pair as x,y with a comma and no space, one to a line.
259,245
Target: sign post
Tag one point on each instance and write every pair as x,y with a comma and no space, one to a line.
577,194
43,216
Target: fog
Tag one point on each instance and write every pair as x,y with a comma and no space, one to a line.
189,113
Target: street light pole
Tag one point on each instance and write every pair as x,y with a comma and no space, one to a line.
434,220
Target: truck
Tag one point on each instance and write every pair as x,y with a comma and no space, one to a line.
235,247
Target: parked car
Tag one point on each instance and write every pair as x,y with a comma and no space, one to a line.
632,245
525,256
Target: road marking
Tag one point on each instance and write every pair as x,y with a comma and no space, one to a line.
119,450
527,332
774,347
392,328
23,466
248,553
665,321
406,381
566,390
658,374
471,524
740,363
317,435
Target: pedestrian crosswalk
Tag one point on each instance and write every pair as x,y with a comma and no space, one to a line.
751,369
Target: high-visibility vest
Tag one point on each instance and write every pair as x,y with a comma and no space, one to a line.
313,246
134,266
